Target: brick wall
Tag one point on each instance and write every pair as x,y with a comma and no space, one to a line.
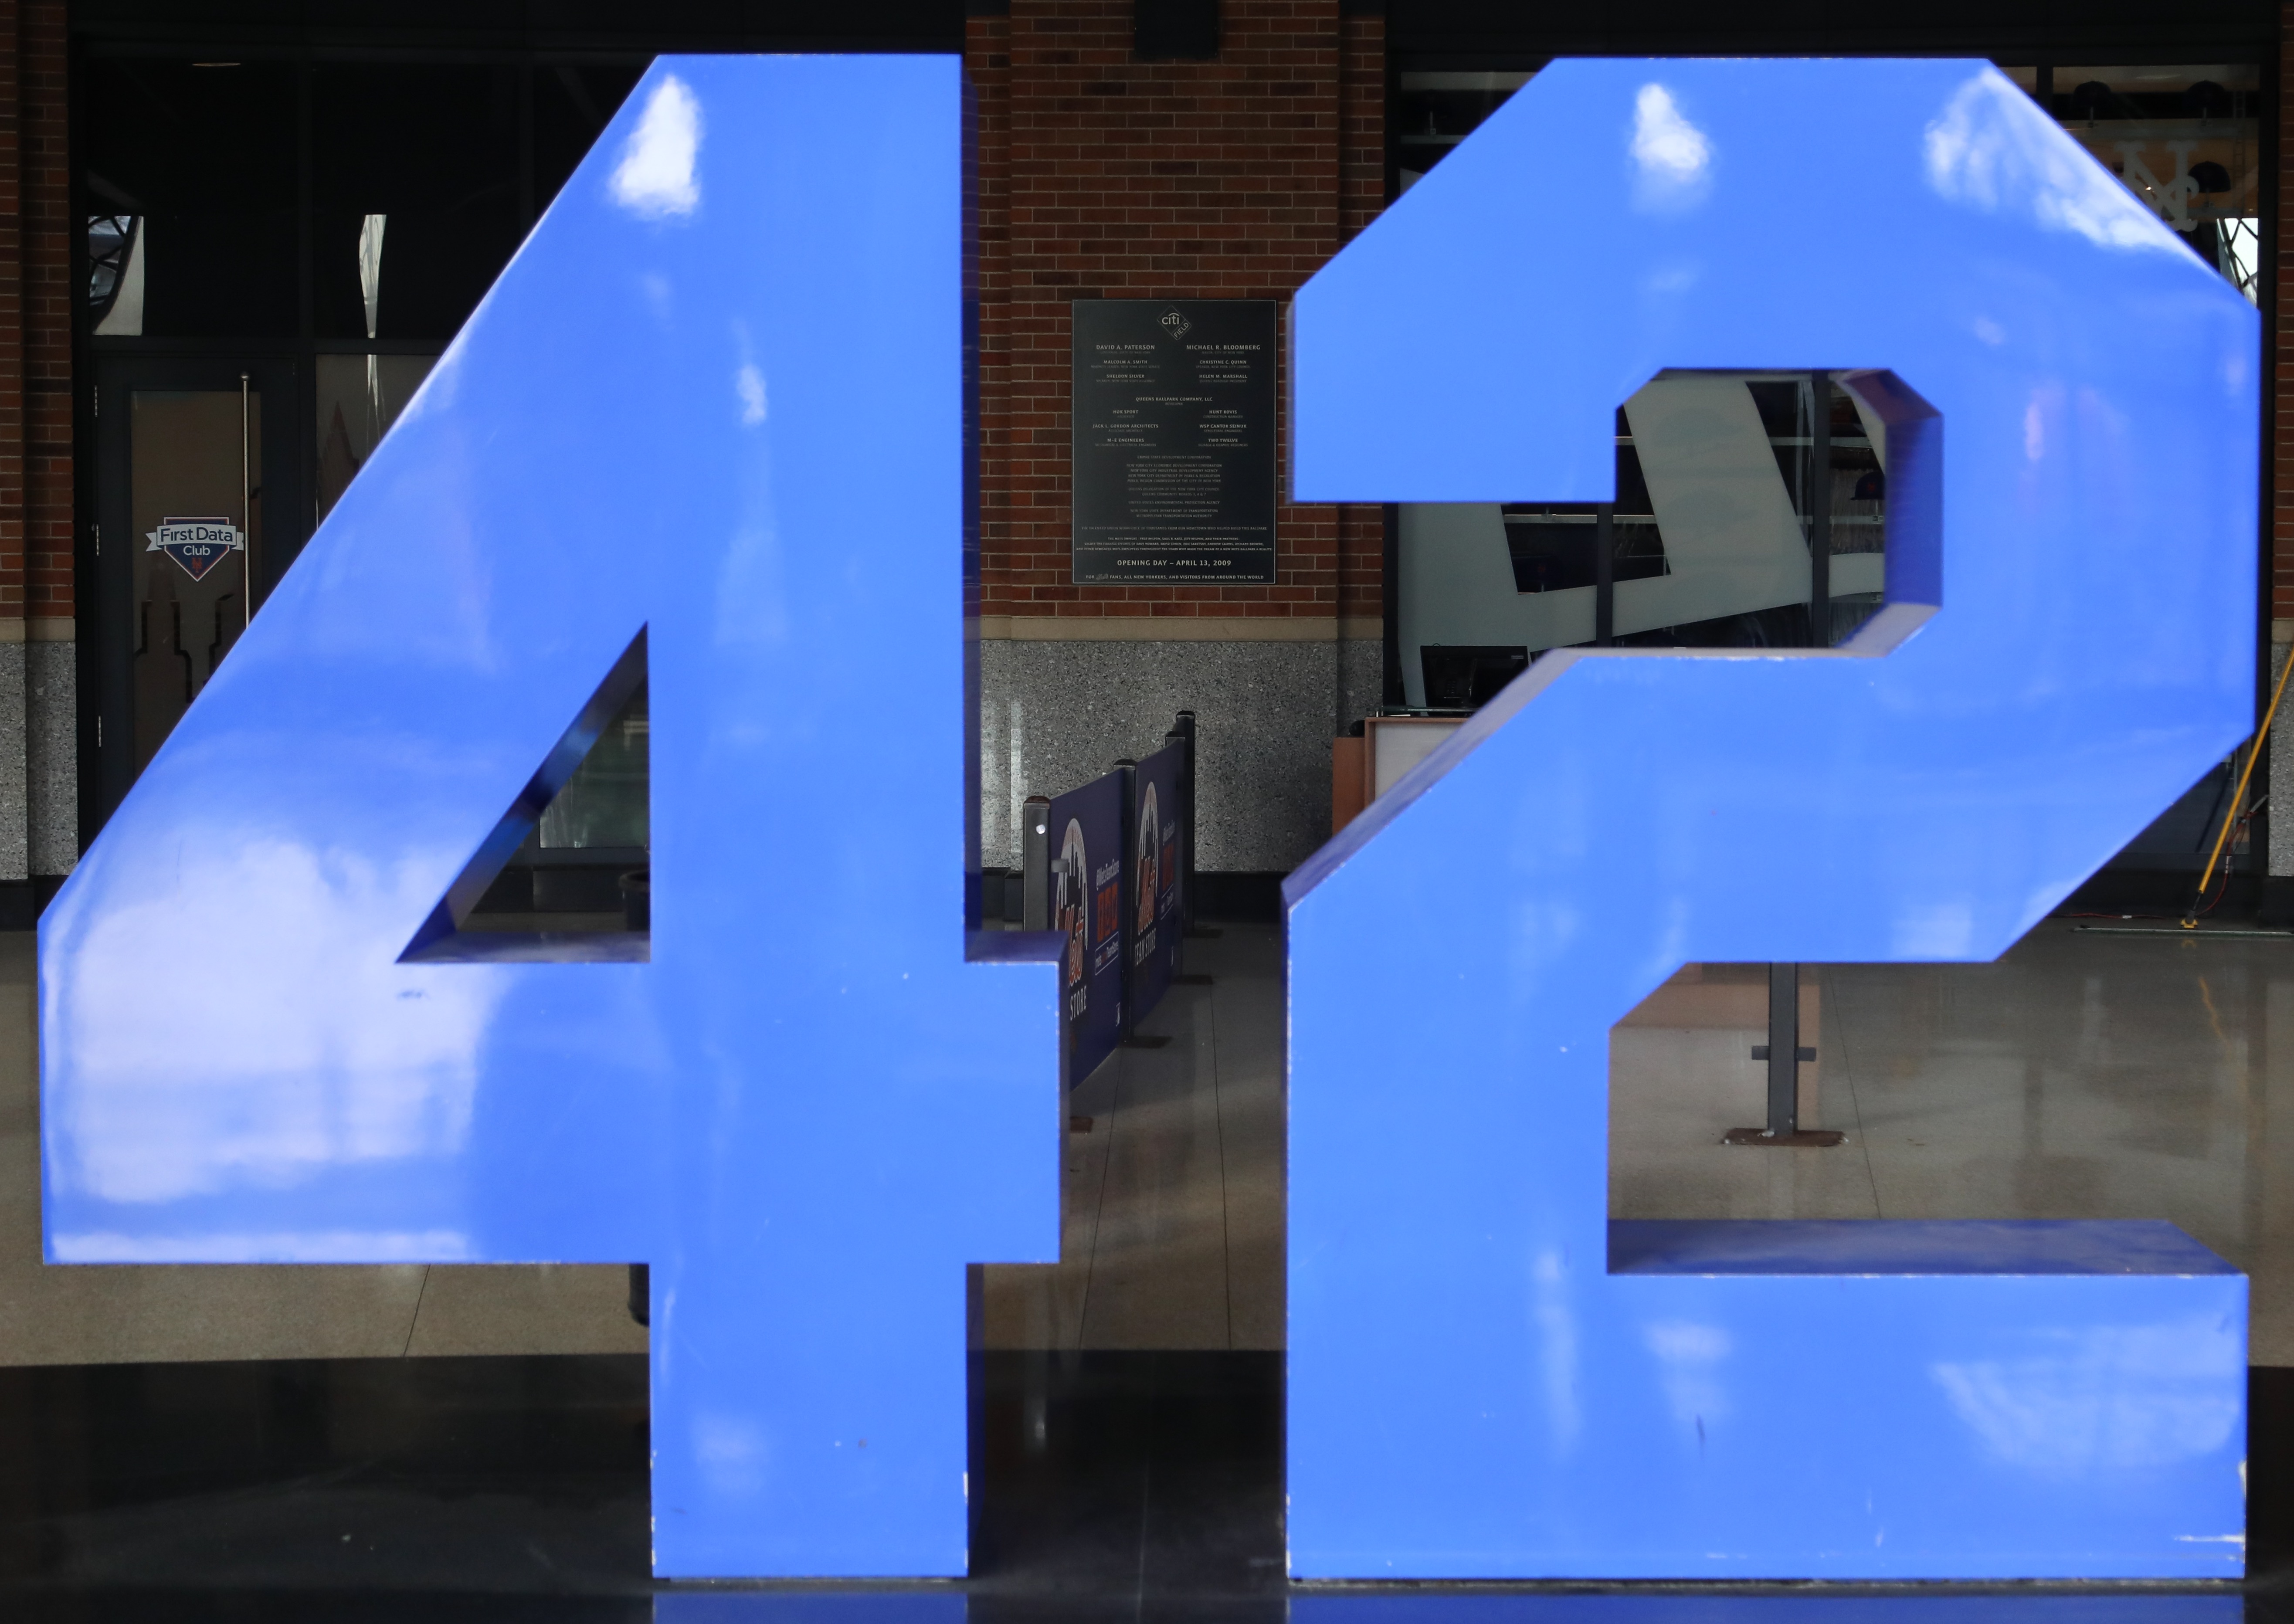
46,292
1100,178
11,311
36,456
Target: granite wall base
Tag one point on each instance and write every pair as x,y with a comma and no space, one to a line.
50,713
1054,714
15,847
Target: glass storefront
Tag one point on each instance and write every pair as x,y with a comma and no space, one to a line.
1710,543
301,237
1476,591
1480,589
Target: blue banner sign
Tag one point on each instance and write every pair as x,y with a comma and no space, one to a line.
1152,901
1086,894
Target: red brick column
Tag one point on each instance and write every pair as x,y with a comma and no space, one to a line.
36,404
46,296
987,51
1362,195
12,322
1235,178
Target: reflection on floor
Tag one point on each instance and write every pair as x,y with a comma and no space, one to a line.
52,1315
1130,1486
2082,1076
1172,1231
1129,1424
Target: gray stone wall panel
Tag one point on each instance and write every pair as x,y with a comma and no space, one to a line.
52,752
14,843
1054,714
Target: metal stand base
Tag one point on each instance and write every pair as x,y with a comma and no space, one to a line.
1806,1139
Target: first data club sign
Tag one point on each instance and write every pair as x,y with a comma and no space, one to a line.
198,545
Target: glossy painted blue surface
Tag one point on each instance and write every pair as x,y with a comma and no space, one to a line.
719,395
1452,1606
1486,1378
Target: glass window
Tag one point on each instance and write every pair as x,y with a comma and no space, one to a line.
360,397
2185,139
1434,111
415,174
196,535
1480,588
571,107
1716,520
605,804
193,166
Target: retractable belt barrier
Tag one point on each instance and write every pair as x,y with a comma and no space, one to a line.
1109,866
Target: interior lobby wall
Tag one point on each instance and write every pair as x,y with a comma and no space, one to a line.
1053,713
1103,176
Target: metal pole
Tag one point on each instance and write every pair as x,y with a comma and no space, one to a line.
1784,1050
1035,864
1389,644
1819,510
1127,771
1605,576
245,517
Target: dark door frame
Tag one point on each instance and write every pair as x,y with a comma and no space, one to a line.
106,645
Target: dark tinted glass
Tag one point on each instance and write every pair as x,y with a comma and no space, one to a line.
205,158
571,107
434,152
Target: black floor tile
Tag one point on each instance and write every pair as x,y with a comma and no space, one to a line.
1130,1474
325,1478
1135,1486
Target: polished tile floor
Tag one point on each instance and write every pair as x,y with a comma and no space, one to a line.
254,1444
1172,1189
2082,1076
158,1311
1130,1486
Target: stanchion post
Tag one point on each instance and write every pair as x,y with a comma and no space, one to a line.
1186,813
1784,1050
1127,772
1185,729
1784,1054
1036,863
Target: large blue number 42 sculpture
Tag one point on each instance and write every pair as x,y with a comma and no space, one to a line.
1487,1377
708,429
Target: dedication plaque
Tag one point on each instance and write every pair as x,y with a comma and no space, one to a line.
1174,459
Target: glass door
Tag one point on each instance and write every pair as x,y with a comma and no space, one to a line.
185,555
